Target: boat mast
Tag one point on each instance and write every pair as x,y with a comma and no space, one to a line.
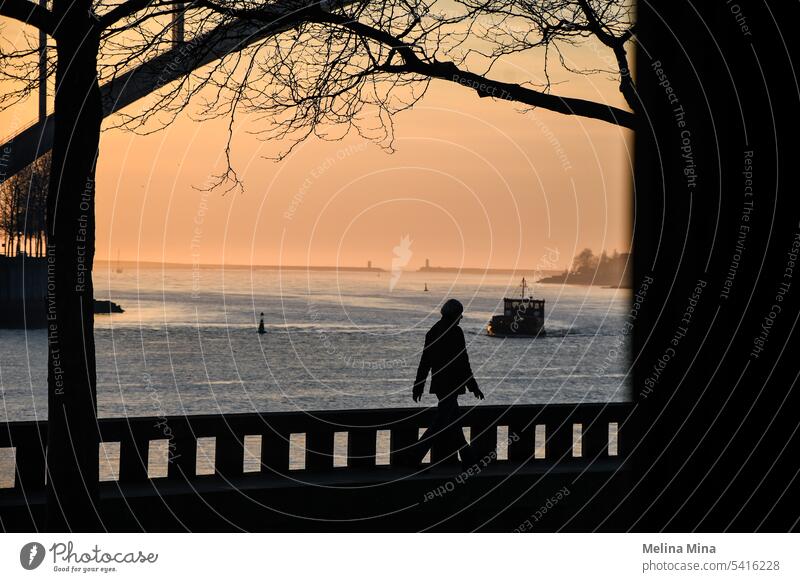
524,284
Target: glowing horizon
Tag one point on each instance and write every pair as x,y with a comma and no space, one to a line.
473,182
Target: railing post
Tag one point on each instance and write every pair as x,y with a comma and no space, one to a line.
361,447
30,459
229,453
133,454
594,437
400,441
483,437
521,440
182,455
275,450
558,442
319,449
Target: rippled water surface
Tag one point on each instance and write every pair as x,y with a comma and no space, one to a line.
187,342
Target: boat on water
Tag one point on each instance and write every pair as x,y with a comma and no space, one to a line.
522,316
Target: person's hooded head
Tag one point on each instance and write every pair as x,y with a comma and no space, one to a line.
452,310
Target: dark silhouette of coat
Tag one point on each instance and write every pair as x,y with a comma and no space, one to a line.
445,355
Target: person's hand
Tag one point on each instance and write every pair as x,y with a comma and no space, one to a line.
478,394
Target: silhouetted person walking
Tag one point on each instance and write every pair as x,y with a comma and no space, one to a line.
445,356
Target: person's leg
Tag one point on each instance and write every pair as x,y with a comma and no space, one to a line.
417,451
440,433
453,438
430,436
444,433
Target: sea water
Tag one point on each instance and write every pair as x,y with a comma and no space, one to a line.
187,342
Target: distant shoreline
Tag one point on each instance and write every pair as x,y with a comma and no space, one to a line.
484,271
134,264
328,268
573,279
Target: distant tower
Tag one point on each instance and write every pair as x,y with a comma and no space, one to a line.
427,263
369,264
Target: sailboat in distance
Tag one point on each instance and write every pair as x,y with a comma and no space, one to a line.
522,317
119,267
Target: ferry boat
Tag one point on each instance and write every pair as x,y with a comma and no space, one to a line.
522,317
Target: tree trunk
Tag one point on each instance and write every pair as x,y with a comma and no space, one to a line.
73,436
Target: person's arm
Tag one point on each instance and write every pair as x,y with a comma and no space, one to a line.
422,372
472,383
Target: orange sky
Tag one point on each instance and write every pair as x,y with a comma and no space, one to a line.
473,182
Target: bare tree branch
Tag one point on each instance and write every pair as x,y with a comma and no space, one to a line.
325,68
28,13
482,85
617,45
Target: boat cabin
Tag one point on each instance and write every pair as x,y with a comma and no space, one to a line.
523,307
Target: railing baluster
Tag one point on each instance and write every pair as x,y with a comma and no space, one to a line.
274,451
30,464
182,457
319,449
399,442
182,450
361,447
229,454
521,441
559,440
133,453
483,436
595,438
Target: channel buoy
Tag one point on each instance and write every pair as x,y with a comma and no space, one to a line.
261,329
